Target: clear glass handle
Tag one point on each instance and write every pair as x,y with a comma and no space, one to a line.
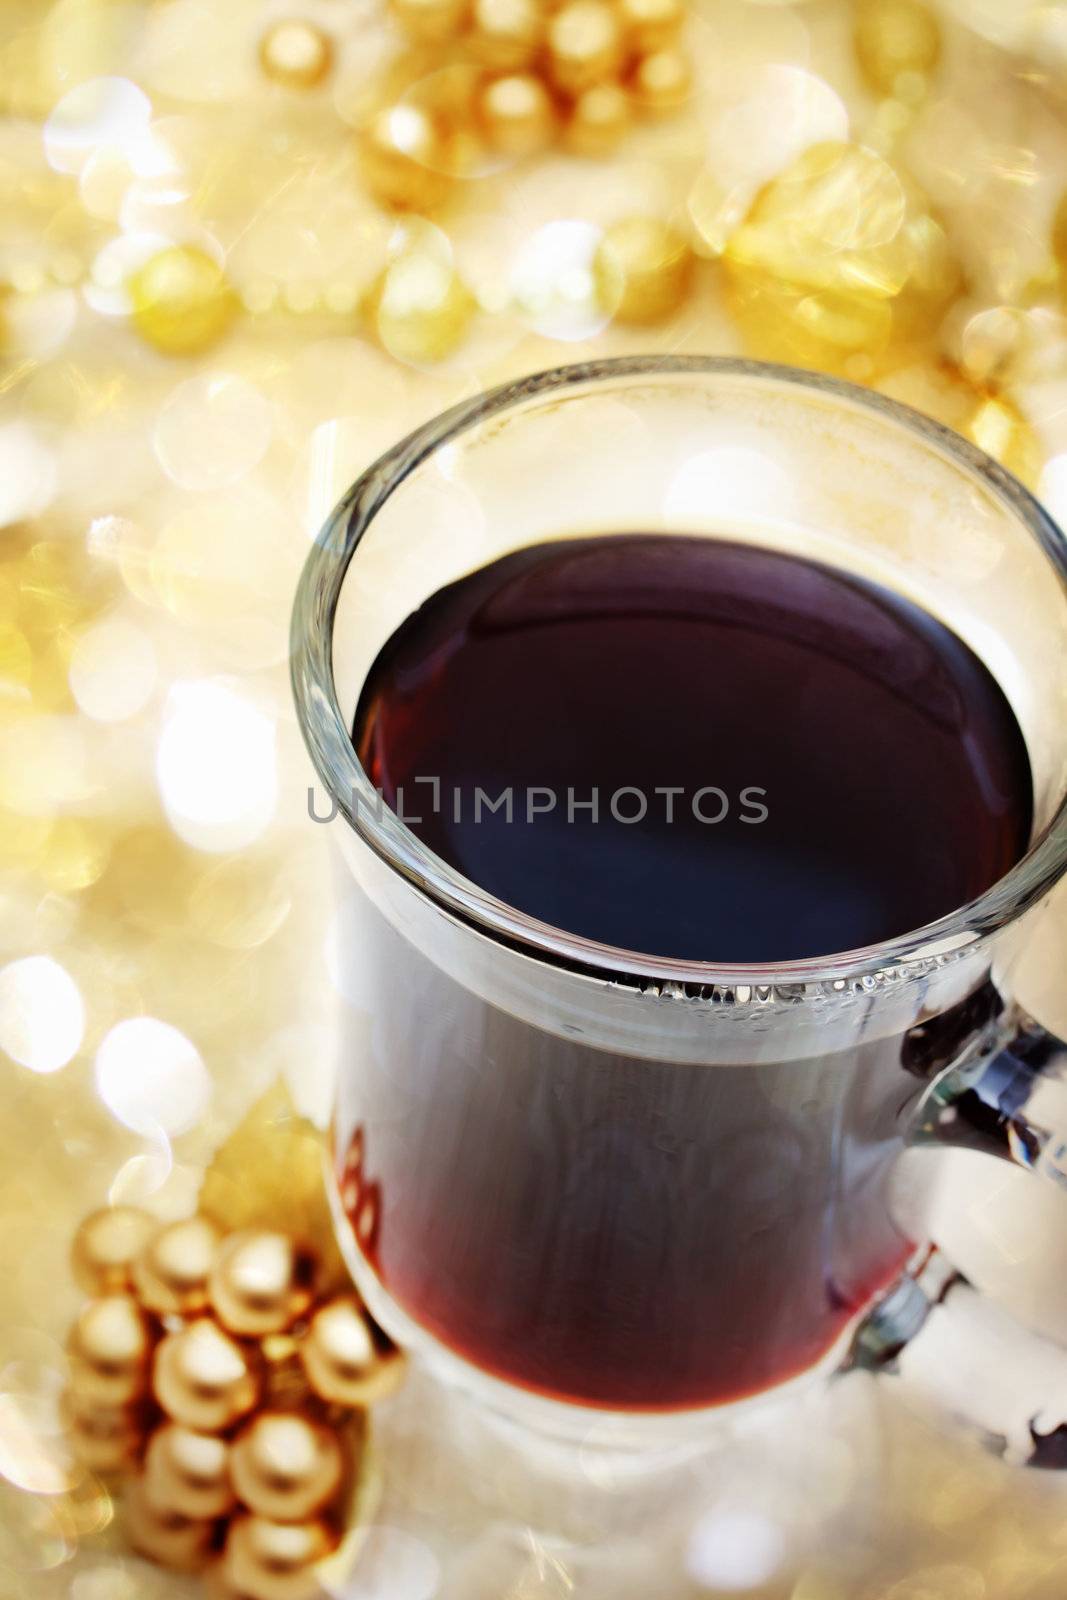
1004,1102
957,1350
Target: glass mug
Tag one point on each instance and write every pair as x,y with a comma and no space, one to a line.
588,1184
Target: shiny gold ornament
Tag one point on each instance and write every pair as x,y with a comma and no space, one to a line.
187,1473
507,34
348,1361
651,25
106,1246
517,114
107,1440
642,268
296,54
110,1349
171,1275
181,301
430,20
203,1379
598,119
179,1543
585,45
420,308
260,1282
662,82
266,1560
898,45
286,1468
404,159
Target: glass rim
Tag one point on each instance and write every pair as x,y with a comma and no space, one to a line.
329,743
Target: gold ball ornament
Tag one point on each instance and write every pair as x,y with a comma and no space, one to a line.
651,25
506,33
517,114
261,1283
661,83
171,1275
404,159
431,20
110,1350
181,301
296,54
420,308
643,268
348,1361
897,44
585,45
180,1543
187,1473
266,1560
203,1379
107,1440
598,119
286,1468
106,1246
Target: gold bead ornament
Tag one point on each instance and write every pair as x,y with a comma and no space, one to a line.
651,25
599,118
181,302
404,159
110,1349
265,1560
420,308
517,114
260,1283
228,1403
585,45
506,34
203,1378
296,54
171,1276
662,82
183,1544
106,1246
188,1473
346,1359
285,1467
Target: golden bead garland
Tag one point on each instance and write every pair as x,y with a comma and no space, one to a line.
224,1378
476,80
541,72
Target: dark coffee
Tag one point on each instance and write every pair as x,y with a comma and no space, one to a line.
603,1226
787,760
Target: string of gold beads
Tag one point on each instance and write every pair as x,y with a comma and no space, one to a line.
224,1385
577,72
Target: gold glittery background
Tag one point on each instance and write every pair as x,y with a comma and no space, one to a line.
244,246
